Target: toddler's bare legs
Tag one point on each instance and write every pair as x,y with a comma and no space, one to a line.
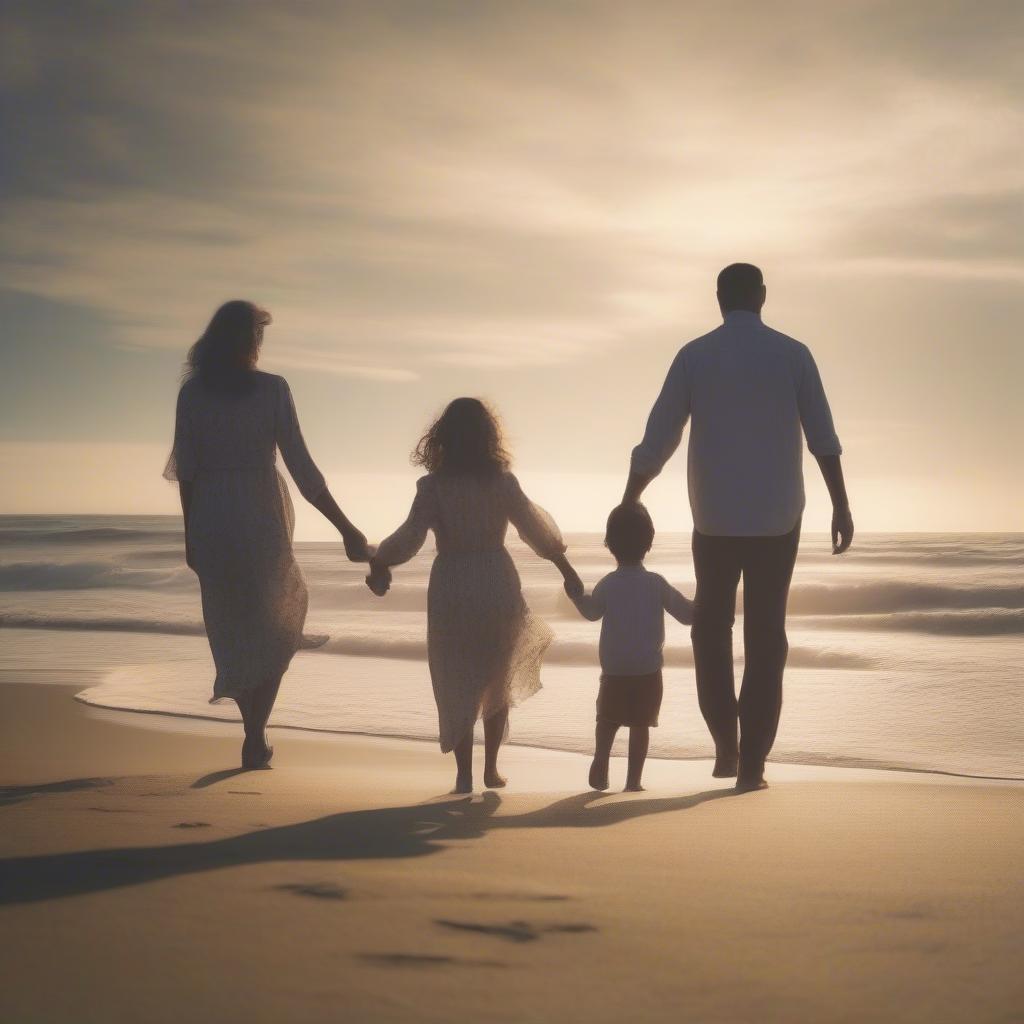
494,733
639,740
464,764
604,738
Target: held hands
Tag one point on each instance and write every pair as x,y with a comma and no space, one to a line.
573,585
356,547
842,530
379,579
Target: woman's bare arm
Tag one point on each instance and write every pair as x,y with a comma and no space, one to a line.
353,539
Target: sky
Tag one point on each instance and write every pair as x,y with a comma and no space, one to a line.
523,201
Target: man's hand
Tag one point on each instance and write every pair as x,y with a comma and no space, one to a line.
573,587
636,484
842,529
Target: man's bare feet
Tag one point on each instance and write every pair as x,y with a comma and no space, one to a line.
493,780
599,776
463,784
749,784
634,787
726,766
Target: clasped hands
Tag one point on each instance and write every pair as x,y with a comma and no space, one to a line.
379,578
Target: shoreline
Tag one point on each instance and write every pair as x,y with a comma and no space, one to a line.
183,722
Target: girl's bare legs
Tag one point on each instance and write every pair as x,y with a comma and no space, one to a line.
639,740
464,764
494,733
604,738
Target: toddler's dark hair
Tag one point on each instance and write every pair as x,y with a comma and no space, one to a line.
630,532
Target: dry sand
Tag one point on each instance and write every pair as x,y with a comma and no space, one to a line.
141,882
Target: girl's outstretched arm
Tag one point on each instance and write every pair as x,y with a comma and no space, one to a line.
406,541
540,532
570,577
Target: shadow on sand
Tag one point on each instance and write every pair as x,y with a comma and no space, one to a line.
384,833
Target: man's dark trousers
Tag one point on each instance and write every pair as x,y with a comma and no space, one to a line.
766,566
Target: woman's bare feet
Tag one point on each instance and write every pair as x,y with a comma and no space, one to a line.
493,780
599,775
463,784
256,754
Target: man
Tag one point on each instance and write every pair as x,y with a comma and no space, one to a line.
747,391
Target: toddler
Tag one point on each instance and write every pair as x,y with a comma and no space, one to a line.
631,602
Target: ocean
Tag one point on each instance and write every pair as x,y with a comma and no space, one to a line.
905,653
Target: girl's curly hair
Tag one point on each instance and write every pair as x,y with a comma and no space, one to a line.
465,440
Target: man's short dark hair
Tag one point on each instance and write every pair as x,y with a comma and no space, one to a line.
739,286
630,532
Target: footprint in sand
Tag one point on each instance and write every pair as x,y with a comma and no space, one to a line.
315,890
520,897
515,931
424,960
15,794
192,824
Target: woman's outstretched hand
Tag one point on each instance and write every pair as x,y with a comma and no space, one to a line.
356,547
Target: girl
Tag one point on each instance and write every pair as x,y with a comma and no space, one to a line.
484,646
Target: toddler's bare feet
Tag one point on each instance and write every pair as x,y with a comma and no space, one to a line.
492,780
463,784
599,776
634,787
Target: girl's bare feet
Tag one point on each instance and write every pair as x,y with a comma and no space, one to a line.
492,780
599,775
463,783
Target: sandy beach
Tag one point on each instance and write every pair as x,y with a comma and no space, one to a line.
143,879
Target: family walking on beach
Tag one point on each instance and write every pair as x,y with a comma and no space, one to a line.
750,394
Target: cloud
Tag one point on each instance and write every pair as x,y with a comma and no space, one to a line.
416,184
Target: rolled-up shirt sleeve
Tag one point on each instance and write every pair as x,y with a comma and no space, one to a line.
815,414
309,480
666,422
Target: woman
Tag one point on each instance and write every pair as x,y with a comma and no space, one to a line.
484,646
238,516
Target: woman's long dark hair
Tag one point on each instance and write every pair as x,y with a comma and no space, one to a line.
224,358
465,440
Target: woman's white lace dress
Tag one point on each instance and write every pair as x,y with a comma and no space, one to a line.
484,645
241,523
